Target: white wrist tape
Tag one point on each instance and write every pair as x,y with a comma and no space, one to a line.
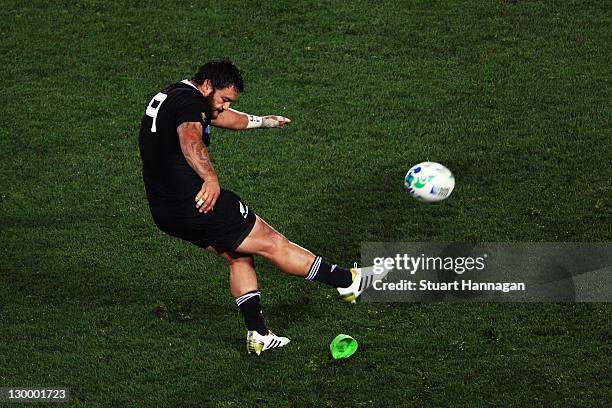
254,121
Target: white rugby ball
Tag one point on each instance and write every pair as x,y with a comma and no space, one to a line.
429,182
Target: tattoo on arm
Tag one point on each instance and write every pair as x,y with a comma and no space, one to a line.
196,153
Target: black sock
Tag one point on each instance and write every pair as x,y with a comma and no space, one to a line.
333,275
251,310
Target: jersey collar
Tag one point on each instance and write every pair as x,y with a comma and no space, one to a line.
188,82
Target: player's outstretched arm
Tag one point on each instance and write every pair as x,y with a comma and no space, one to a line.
196,154
236,120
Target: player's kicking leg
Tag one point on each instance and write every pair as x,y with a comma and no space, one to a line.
290,258
293,259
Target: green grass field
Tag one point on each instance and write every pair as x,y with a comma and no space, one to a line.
513,96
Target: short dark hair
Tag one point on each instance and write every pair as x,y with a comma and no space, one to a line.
222,73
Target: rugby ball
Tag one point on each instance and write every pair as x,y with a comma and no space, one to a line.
429,182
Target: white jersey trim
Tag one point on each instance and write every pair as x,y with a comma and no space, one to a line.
186,82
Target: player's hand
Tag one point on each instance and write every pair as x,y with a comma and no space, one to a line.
208,195
273,121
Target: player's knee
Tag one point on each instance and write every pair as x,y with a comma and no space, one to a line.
274,243
246,260
235,260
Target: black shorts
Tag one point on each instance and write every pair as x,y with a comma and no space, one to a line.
224,228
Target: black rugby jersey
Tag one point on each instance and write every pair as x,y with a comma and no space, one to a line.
168,178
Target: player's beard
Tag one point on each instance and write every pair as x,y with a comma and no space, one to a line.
210,99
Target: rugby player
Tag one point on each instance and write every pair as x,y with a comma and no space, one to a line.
187,201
